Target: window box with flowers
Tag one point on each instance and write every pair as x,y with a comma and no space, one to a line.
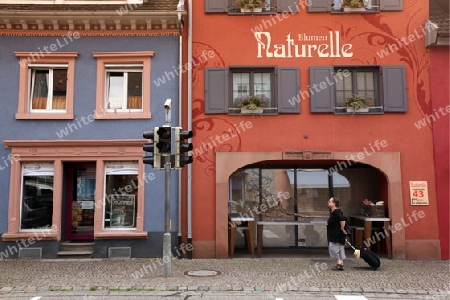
252,105
249,6
356,104
353,5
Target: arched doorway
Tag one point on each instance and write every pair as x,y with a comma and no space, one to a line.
307,177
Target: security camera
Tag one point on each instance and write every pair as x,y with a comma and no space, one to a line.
168,104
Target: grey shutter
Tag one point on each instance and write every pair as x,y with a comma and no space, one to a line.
320,5
322,101
216,90
216,6
394,88
387,5
288,90
287,6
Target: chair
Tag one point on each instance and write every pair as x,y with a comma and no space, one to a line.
358,236
248,227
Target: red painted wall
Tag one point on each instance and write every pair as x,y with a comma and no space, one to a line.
231,40
439,79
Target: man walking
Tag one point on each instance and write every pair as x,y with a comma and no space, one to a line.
337,234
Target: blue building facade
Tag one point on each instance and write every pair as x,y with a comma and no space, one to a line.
78,93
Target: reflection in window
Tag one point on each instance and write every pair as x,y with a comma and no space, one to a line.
124,90
121,194
48,89
37,196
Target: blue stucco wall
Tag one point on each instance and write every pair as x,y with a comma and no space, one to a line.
166,57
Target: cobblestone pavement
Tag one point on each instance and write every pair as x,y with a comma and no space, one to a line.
396,278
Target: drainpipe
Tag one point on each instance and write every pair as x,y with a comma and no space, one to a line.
189,113
180,8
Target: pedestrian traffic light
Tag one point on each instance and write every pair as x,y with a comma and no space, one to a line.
164,140
182,147
155,159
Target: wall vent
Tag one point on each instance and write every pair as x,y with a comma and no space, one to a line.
119,252
30,253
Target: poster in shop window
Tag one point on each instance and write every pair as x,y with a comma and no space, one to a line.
122,211
418,191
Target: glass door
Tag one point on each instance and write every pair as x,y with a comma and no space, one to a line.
81,199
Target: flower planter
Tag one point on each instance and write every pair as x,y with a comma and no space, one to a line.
352,110
249,10
259,110
354,9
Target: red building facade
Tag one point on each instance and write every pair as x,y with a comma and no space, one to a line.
303,60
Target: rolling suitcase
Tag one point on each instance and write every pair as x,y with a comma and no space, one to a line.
367,255
370,258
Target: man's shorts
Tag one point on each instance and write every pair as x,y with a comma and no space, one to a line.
336,250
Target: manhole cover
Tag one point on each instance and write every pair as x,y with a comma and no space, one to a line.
202,273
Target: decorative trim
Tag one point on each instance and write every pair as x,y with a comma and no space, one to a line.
307,155
59,33
74,143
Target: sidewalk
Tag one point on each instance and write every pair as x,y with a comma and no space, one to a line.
277,275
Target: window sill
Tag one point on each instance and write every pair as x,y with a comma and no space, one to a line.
37,235
367,11
237,12
44,116
267,111
374,110
120,234
109,116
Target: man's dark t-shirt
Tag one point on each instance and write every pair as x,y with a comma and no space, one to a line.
334,227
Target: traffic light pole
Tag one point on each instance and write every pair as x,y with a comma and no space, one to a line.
167,254
167,238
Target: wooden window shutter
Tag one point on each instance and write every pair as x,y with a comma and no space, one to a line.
322,101
216,6
288,80
216,90
320,5
287,6
394,88
391,5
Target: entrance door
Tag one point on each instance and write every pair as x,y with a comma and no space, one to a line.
81,200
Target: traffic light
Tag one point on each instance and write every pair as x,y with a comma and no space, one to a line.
182,147
164,140
155,159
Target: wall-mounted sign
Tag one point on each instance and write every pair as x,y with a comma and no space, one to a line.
418,191
328,45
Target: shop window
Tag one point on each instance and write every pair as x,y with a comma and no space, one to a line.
269,6
123,85
277,88
367,6
37,196
46,85
383,88
121,203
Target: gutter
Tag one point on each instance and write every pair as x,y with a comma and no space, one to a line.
189,113
180,9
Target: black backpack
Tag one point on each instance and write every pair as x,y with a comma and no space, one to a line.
347,227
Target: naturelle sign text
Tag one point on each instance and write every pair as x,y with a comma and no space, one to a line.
296,47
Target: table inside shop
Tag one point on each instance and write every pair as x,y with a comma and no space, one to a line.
235,221
368,230
260,228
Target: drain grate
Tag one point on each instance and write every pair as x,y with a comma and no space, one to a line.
202,273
